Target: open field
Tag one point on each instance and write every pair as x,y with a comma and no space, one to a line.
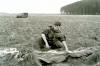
80,31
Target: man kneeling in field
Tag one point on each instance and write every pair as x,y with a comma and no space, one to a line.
52,38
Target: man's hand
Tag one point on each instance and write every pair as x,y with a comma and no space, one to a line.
70,51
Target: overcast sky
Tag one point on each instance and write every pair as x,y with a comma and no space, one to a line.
33,6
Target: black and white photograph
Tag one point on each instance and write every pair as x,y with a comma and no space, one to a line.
49,32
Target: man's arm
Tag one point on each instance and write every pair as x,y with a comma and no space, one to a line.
66,47
45,40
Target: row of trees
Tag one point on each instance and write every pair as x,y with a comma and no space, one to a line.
91,7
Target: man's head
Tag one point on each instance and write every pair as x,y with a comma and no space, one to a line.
57,23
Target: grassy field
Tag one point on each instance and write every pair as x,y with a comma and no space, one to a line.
80,30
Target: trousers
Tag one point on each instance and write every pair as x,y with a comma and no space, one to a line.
53,44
